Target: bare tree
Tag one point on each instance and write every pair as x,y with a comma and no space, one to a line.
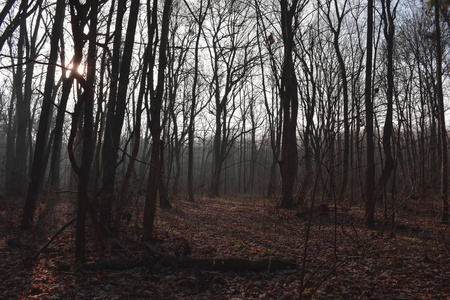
273,110
155,114
45,118
370,169
231,60
19,172
289,99
336,30
202,12
86,104
116,107
123,198
25,10
388,16
441,112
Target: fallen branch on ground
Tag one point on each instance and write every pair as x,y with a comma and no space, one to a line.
207,264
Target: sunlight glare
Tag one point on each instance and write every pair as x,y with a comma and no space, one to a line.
80,69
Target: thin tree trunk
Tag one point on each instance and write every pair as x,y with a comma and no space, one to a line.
162,187
389,31
191,128
45,117
370,169
137,139
254,154
60,118
344,82
10,149
86,101
155,122
114,120
20,173
442,130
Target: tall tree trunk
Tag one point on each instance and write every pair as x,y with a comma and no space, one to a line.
57,142
370,169
162,186
137,141
116,108
36,177
61,112
85,103
442,129
20,173
111,137
155,122
32,47
10,149
67,83
177,144
389,31
254,153
344,82
289,98
191,128
273,118
218,158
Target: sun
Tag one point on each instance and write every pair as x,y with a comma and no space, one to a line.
80,69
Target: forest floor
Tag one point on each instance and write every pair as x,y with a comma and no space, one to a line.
344,260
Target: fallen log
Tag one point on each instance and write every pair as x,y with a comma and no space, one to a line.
204,264
240,264
221,264
157,257
116,264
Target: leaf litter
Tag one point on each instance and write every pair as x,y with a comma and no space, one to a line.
344,260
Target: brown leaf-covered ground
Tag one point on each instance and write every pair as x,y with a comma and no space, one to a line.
344,260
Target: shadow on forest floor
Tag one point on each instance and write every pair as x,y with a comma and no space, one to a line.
343,262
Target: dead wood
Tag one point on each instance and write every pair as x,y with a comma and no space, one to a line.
157,257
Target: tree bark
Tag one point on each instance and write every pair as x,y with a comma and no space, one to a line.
162,187
370,168
114,121
137,141
289,98
10,149
155,125
87,100
441,111
343,72
20,172
42,134
389,31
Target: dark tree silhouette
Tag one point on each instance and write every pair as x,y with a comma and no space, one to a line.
116,107
193,111
388,16
155,120
370,169
289,99
86,104
441,112
45,117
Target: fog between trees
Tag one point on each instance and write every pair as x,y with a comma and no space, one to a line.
325,101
